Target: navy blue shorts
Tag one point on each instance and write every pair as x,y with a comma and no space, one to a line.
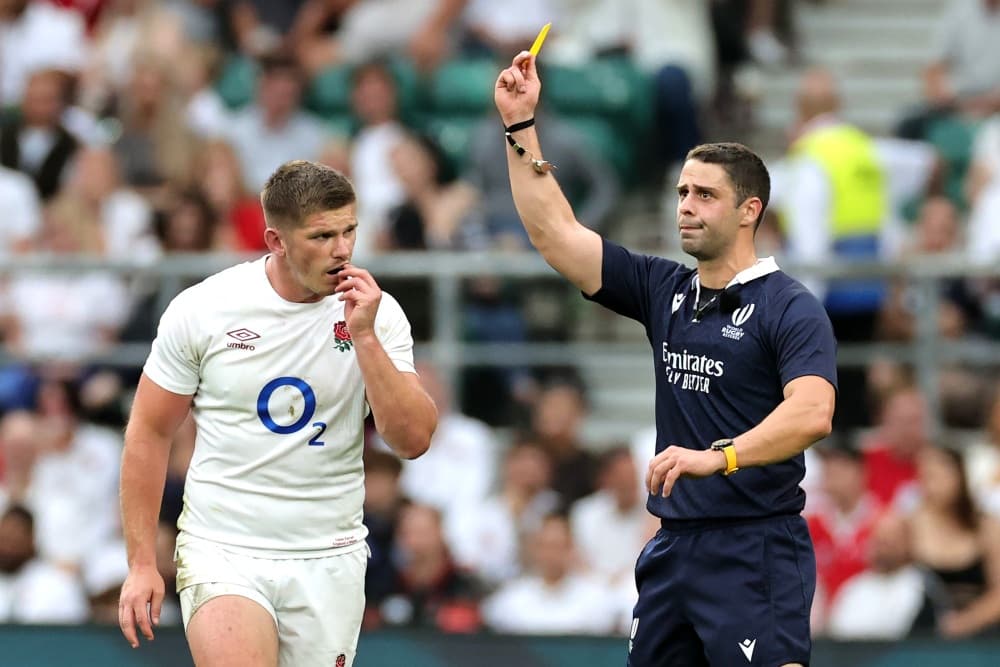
735,595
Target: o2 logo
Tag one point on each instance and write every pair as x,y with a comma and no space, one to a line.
308,409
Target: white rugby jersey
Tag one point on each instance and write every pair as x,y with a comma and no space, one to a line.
279,406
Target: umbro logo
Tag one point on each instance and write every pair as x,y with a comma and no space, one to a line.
678,300
242,335
747,646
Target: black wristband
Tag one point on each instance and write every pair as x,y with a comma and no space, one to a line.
523,125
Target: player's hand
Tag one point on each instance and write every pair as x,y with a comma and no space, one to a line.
140,603
674,462
517,90
361,295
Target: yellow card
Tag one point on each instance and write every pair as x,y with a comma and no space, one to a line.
537,46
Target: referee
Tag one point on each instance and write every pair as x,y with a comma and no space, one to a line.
744,359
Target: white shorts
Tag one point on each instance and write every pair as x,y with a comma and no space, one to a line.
317,603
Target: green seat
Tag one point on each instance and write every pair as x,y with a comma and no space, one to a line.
606,141
329,92
953,140
613,88
237,81
463,87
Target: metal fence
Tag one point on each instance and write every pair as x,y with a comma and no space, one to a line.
926,352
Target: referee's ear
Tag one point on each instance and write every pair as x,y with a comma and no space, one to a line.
751,210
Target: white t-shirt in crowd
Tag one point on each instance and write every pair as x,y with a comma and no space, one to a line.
577,605
872,605
279,405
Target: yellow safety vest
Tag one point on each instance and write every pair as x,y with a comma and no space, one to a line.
858,201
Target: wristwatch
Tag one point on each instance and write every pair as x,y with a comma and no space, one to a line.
727,447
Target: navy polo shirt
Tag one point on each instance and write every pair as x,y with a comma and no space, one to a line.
721,373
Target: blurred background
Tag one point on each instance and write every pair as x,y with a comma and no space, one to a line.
135,136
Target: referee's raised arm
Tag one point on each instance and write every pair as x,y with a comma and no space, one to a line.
568,246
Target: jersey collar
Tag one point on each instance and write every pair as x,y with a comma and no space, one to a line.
761,268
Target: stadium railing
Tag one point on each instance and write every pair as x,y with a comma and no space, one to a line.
927,352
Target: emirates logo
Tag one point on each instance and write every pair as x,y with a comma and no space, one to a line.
342,339
341,661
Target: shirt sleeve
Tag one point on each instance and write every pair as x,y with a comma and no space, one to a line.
625,281
804,341
393,331
174,361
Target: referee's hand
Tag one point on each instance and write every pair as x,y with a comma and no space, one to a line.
673,462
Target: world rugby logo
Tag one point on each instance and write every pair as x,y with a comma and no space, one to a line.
741,315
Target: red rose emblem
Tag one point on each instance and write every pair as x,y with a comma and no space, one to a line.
341,659
342,337
340,331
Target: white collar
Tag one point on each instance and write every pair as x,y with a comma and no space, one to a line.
761,268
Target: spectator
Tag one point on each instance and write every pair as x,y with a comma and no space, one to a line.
436,204
383,503
609,525
458,470
892,451
37,143
259,27
487,538
841,521
18,452
155,147
982,463
503,29
553,599
238,211
74,484
274,129
103,571
556,422
886,600
31,589
840,191
959,548
375,102
964,74
983,193
188,224
110,218
60,315
374,29
37,35
431,592
22,213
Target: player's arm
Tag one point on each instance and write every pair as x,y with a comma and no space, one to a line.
568,246
156,415
405,416
804,416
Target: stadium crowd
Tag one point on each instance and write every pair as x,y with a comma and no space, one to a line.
136,129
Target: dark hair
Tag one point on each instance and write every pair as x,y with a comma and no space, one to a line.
744,167
280,62
300,188
964,508
21,513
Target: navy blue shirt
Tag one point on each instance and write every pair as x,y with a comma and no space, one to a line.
720,374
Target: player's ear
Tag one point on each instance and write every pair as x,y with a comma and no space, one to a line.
274,242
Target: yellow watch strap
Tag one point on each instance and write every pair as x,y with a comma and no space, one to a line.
731,465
